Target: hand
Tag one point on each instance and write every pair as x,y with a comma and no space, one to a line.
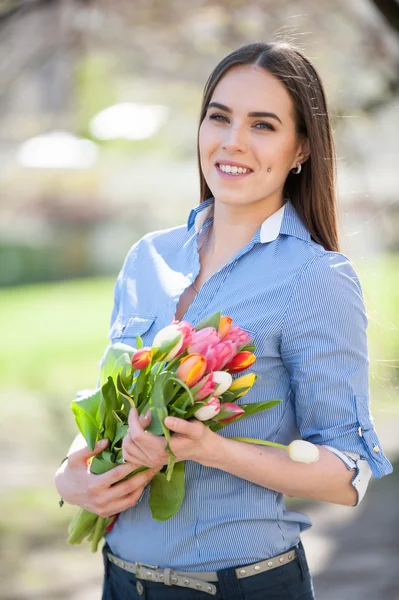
100,494
140,447
192,440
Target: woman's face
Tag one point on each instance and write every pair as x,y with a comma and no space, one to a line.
249,125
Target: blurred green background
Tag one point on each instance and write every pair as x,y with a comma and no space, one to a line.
80,183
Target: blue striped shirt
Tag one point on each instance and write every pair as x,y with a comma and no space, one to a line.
303,306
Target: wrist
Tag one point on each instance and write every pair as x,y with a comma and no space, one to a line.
216,451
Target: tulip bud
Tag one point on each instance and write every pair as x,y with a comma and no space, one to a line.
240,362
245,381
166,336
205,388
210,410
302,451
191,369
225,325
228,412
223,380
141,358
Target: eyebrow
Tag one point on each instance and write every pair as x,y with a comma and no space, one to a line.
251,114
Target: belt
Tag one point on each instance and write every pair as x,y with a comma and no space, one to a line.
198,580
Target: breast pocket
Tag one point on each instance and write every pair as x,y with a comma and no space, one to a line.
126,327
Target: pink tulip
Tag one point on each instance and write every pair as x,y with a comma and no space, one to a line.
191,369
238,336
203,340
220,355
210,410
207,387
187,330
228,412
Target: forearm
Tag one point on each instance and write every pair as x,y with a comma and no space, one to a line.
327,479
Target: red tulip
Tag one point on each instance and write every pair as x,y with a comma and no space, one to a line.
141,358
228,412
240,362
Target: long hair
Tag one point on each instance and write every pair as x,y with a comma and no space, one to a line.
312,192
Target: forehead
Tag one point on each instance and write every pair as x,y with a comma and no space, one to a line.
252,88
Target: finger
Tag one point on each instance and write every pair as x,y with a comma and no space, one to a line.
125,502
83,454
133,453
114,475
187,428
145,419
123,488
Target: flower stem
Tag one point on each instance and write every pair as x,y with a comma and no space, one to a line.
260,442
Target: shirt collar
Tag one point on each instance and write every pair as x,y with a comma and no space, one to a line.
285,220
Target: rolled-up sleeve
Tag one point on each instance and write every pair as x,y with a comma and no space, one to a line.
324,348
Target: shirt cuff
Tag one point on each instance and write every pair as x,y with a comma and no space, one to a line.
353,462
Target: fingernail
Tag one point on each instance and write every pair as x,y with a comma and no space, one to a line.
103,442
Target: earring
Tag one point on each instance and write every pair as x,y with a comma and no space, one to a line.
268,169
297,170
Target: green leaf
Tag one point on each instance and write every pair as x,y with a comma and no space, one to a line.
166,497
211,321
250,409
101,465
111,402
158,405
111,357
121,431
139,342
86,415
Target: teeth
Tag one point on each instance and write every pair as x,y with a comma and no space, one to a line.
233,170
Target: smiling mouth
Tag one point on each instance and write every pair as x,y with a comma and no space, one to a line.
232,171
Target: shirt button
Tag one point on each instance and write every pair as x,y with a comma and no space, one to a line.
376,449
140,588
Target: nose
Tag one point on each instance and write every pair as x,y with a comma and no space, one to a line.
234,140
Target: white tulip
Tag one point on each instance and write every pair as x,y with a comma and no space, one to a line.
224,381
302,451
167,334
210,410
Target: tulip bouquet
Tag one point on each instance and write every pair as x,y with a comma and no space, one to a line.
188,373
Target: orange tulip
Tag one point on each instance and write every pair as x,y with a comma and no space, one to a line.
225,325
191,369
141,358
240,362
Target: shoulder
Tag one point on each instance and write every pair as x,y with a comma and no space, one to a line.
161,242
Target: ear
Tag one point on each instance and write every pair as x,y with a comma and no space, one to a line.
303,151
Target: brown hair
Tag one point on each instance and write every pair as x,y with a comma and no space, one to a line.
312,192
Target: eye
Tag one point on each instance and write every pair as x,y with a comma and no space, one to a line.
263,125
216,117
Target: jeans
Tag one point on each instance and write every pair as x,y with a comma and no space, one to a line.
289,582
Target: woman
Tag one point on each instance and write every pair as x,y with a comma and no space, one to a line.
262,247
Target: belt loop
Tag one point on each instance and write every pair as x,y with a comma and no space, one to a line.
229,585
166,576
303,565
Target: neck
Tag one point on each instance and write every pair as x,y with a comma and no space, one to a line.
234,226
